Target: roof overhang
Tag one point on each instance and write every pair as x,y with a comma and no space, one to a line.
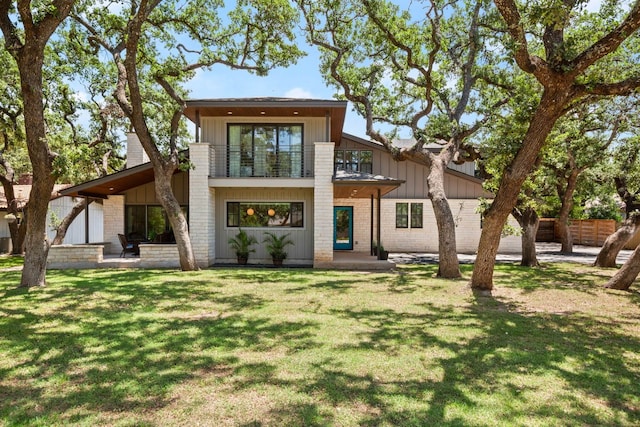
271,107
115,183
358,185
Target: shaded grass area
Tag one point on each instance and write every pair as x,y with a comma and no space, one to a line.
265,347
10,261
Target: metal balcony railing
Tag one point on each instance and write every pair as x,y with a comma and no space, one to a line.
292,162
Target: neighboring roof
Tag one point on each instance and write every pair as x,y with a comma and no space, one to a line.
270,107
22,193
349,184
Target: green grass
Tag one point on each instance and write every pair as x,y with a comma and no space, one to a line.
267,347
10,261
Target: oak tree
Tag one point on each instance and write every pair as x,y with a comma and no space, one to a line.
544,42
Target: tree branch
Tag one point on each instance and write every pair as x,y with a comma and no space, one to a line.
608,43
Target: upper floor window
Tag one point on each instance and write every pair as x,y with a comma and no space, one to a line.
354,160
265,150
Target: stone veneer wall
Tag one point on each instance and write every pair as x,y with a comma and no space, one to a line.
323,204
74,256
159,256
113,216
202,203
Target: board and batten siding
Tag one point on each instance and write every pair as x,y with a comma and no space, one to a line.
301,252
146,194
415,175
214,132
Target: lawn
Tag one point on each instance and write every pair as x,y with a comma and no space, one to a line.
267,347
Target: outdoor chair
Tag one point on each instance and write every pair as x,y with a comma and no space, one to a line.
126,246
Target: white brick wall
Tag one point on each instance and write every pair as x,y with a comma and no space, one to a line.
202,203
419,239
113,214
425,239
323,204
135,153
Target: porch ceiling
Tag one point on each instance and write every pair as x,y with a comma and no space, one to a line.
357,185
115,183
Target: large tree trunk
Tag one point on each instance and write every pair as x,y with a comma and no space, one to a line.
625,277
61,230
18,233
613,245
178,222
566,198
163,168
449,266
15,207
29,55
30,63
529,222
547,113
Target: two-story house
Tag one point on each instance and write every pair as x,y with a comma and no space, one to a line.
285,166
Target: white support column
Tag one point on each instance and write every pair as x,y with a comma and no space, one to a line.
323,204
202,203
113,222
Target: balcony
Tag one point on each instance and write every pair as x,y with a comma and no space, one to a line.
293,163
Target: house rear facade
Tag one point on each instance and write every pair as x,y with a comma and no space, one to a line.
284,166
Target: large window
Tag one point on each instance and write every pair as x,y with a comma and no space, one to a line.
265,150
354,160
148,222
402,215
265,214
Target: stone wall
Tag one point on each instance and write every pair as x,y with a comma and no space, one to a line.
113,214
323,204
74,256
202,204
159,256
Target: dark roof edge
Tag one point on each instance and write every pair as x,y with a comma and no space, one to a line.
266,102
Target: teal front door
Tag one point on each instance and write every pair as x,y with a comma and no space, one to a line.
343,228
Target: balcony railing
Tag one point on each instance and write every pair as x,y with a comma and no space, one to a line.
294,162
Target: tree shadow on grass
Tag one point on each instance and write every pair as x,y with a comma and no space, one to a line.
104,348
520,369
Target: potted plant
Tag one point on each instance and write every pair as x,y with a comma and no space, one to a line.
276,246
375,248
382,254
242,245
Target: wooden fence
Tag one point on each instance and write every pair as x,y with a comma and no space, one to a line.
588,232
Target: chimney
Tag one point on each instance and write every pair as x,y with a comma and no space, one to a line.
135,153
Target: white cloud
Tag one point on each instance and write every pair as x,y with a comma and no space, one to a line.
298,92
